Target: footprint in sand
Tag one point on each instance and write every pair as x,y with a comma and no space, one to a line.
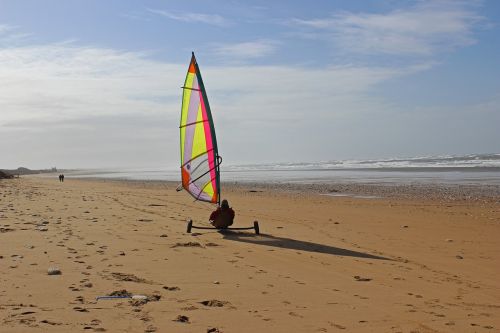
337,326
213,330
188,244
80,309
171,288
182,319
361,279
48,322
214,303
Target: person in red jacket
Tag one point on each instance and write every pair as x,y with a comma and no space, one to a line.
223,216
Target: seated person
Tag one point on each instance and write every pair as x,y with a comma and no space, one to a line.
223,216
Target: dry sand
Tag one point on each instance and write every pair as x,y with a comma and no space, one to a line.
322,264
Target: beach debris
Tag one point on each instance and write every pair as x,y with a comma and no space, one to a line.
214,303
144,220
182,319
121,253
117,294
138,300
42,228
54,271
111,297
361,279
216,282
459,257
188,244
404,226
163,235
449,240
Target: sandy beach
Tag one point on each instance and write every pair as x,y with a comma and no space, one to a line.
397,263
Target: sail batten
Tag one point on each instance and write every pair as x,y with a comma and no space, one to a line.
199,156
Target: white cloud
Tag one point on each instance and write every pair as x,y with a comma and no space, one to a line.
8,36
80,106
423,29
4,28
85,106
63,81
212,19
246,50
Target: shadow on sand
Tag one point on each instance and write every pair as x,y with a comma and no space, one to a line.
293,244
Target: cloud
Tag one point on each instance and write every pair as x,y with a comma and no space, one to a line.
69,105
135,16
421,30
8,36
4,28
62,98
246,50
213,19
63,80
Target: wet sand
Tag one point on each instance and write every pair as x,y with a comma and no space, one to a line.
422,261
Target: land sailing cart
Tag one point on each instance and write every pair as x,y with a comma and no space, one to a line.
200,159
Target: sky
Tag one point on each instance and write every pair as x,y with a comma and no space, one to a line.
96,84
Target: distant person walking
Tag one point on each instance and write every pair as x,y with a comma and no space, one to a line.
61,178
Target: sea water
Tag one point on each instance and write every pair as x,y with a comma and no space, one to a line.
482,169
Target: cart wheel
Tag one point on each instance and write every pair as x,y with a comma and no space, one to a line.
189,226
256,227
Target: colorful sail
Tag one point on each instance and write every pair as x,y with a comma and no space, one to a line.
199,157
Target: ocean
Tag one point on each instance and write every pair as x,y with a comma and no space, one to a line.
478,169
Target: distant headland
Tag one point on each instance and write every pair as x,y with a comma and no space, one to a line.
6,174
